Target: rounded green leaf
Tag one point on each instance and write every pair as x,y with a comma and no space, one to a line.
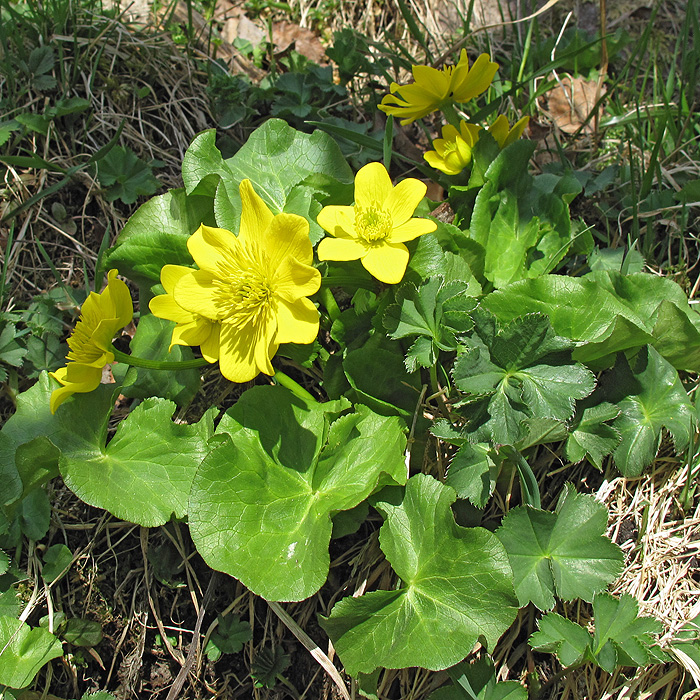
457,589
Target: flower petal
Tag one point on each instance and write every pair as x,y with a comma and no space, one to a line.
209,246
198,293
372,185
337,220
165,306
340,249
468,83
118,297
297,322
287,236
387,263
412,229
75,378
170,274
256,216
294,280
403,200
210,347
237,353
194,333
433,82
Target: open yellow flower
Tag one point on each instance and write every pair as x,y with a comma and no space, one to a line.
504,134
101,316
254,286
453,152
432,87
191,329
375,229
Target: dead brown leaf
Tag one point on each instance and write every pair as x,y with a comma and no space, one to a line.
571,102
305,41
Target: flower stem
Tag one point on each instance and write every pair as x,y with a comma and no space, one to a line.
450,113
155,364
288,383
330,303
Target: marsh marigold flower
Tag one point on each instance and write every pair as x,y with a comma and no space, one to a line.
453,152
375,229
191,329
433,87
101,316
504,134
252,288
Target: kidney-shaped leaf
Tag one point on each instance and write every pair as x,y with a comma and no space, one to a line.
262,502
144,474
457,588
23,651
564,552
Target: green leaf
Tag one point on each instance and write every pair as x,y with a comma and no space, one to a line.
477,681
457,588
4,563
24,651
520,371
472,473
11,352
267,665
81,632
156,235
144,474
228,638
607,312
591,436
436,311
621,638
57,560
569,641
151,342
34,122
290,170
125,176
262,502
650,397
563,553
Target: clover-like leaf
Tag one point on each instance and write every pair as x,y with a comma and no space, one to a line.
457,587
569,641
650,397
144,473
24,651
125,176
472,472
228,638
592,437
262,502
520,371
563,553
437,312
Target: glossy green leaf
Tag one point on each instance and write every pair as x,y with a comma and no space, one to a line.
144,473
607,312
24,651
157,234
457,588
57,560
472,472
477,681
262,502
563,553
650,397
228,638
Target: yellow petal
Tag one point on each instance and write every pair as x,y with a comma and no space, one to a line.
469,132
197,292
210,347
194,333
337,220
209,246
294,280
340,249
255,214
517,131
468,83
243,350
165,306
403,200
287,236
435,160
118,297
297,322
435,83
412,229
372,185
75,378
449,132
499,130
170,274
387,263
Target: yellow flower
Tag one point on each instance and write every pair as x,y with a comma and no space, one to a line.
432,87
191,329
503,134
101,316
254,286
453,152
375,229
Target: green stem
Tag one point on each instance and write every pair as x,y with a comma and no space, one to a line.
330,303
155,364
450,113
288,383
349,281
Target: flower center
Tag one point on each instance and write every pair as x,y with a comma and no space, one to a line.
373,225
82,347
244,290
